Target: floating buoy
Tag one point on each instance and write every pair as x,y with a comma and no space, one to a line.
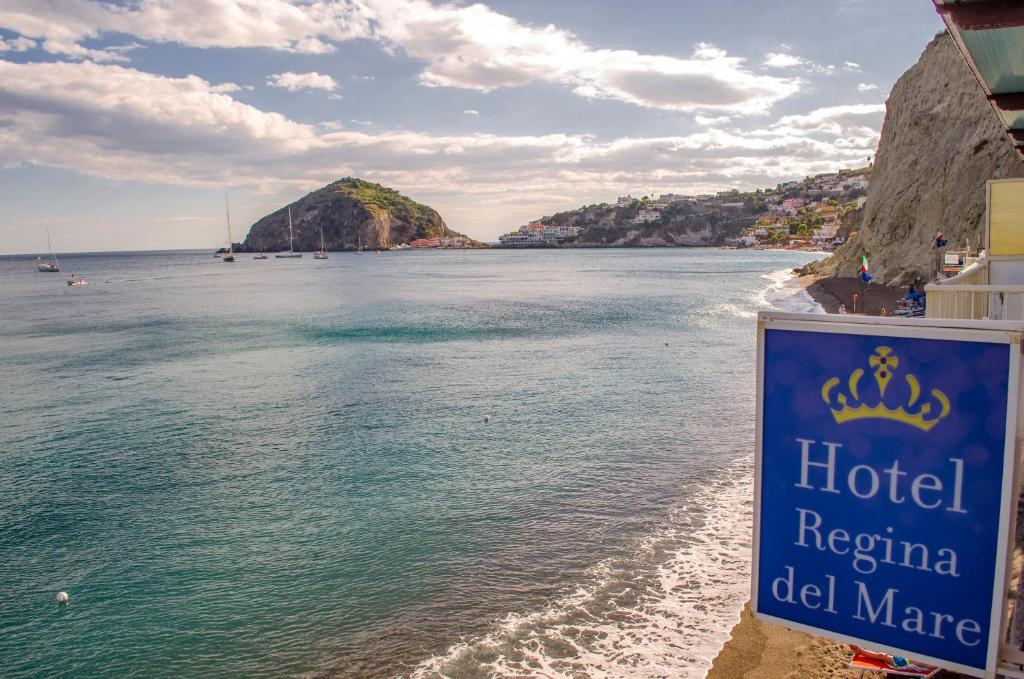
62,597
487,418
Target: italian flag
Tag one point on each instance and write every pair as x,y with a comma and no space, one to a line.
864,275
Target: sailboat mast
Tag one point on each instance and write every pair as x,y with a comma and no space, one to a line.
227,213
291,248
50,245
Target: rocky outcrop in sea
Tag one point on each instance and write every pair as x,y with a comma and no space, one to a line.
352,213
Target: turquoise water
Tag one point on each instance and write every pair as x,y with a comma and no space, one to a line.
281,468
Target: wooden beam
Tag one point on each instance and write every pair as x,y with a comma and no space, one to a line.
983,15
1010,101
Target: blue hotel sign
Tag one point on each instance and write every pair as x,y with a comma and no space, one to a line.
884,483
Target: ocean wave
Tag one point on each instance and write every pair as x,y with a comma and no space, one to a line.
664,611
783,293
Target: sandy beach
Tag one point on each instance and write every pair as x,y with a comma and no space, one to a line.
831,292
757,650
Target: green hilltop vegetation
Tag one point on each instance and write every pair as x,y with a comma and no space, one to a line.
379,200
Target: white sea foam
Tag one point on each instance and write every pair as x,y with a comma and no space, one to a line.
663,612
783,293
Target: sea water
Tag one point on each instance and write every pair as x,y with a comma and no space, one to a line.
284,467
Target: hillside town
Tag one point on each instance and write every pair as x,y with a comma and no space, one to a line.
816,213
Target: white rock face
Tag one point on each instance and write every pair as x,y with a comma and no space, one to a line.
940,142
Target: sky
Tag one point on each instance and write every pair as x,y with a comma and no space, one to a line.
123,125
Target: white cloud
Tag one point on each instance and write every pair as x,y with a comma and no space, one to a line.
19,44
847,125
711,120
471,112
851,66
866,87
782,60
293,82
120,123
470,47
307,27
474,47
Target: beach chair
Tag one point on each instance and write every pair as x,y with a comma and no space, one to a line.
868,664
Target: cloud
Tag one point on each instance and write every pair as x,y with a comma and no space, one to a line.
711,120
308,27
851,66
782,60
293,82
847,125
470,47
119,123
866,87
476,48
471,112
19,44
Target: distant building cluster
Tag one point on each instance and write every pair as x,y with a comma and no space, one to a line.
537,235
453,242
804,214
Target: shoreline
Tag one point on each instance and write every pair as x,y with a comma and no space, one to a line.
758,650
830,292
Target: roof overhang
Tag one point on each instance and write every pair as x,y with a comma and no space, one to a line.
990,35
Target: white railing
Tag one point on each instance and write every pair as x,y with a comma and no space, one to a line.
966,295
994,302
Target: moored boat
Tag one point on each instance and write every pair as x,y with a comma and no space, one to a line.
322,252
51,265
291,254
229,256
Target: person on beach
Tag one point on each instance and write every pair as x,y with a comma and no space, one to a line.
895,662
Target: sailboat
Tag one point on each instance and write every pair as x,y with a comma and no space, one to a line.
291,254
260,254
51,266
229,256
359,250
322,252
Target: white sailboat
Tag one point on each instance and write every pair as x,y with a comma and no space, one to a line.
322,252
260,254
229,256
291,254
51,265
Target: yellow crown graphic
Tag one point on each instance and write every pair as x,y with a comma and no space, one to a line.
848,407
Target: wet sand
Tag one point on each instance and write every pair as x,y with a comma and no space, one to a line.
831,292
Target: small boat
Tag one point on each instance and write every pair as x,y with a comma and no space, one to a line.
322,252
229,256
75,282
291,254
260,254
51,265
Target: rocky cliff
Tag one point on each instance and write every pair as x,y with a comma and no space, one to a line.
351,212
678,225
940,141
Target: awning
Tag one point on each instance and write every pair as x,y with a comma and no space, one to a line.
990,35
